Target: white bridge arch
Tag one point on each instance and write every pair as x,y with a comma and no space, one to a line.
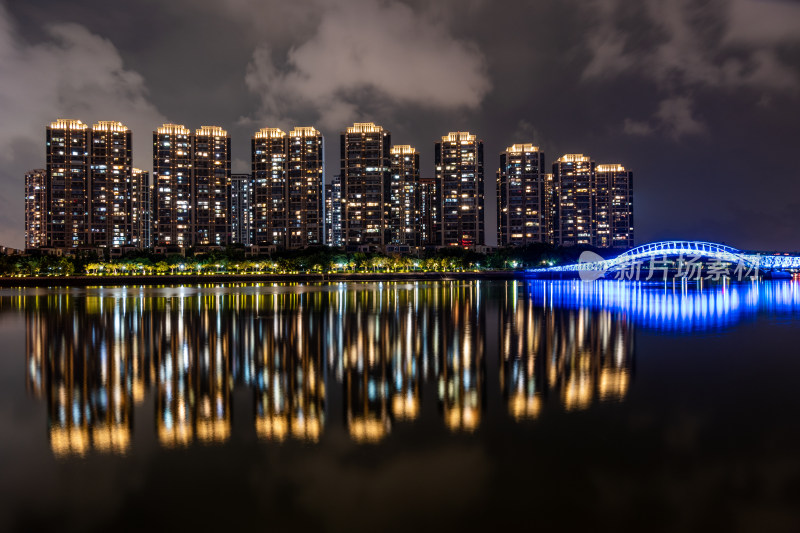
688,249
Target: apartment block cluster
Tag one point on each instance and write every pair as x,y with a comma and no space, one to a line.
91,197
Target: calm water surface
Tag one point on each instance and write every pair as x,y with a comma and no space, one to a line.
401,407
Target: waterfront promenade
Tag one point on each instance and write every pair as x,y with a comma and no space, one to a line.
196,279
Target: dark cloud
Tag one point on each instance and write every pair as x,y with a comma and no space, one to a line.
367,50
696,97
71,72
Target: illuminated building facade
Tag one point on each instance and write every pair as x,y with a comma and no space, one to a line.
268,150
404,197
333,211
241,208
172,176
140,208
617,183
67,185
211,172
35,208
288,194
459,172
549,216
366,178
574,179
429,231
521,196
110,185
87,187
594,203
305,194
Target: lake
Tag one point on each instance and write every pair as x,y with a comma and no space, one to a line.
400,406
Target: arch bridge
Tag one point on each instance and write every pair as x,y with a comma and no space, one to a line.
688,249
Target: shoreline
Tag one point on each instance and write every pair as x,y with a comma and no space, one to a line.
195,279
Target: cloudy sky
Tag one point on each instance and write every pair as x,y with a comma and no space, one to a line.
701,98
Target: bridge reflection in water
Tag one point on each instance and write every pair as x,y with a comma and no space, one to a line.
374,352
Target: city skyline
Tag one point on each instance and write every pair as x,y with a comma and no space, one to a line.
649,85
91,197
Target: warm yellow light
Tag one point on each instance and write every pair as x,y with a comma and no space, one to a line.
213,430
405,408
270,133
573,158
367,429
109,125
522,148
210,131
403,149
610,168
69,441
364,127
67,124
521,406
111,438
272,427
304,131
459,136
173,129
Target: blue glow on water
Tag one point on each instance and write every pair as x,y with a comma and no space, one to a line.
672,306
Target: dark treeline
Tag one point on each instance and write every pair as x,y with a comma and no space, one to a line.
315,259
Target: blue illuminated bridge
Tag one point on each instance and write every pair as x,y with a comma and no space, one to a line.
687,250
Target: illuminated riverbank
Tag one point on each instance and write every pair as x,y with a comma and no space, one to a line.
193,279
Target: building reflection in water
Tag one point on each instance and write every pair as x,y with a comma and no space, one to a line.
288,378
192,357
575,354
461,370
376,353
85,371
376,337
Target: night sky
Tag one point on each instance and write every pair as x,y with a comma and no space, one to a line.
700,98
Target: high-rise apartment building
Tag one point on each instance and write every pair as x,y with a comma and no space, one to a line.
268,150
593,203
35,208
241,208
404,196
288,195
333,211
574,178
550,199
521,196
618,182
601,208
89,187
67,185
459,172
110,185
172,176
366,177
140,208
429,232
304,188
211,168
